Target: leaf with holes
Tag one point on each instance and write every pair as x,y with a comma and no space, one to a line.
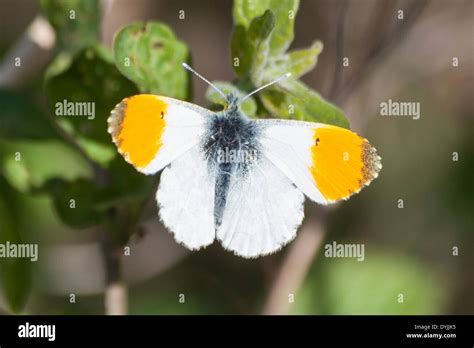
150,55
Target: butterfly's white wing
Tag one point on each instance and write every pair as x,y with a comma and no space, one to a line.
327,163
151,131
186,199
154,132
262,212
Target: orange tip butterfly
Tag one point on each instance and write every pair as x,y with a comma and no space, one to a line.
231,178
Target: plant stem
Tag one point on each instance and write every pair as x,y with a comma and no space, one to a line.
116,299
295,266
381,49
34,51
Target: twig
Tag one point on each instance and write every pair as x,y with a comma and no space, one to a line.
342,12
381,50
3,311
296,265
116,299
33,50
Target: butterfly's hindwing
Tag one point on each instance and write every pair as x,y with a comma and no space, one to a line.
185,199
262,213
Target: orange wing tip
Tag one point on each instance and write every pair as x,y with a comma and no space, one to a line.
136,125
343,162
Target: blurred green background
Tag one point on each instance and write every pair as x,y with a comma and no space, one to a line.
113,234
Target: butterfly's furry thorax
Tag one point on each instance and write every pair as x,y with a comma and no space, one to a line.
230,131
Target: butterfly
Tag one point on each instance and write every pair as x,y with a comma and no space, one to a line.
239,180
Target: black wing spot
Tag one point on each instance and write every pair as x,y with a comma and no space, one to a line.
316,142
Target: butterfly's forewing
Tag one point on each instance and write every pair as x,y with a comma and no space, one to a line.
151,131
327,163
154,132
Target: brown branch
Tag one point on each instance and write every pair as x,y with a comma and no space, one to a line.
116,299
340,35
34,51
296,265
381,49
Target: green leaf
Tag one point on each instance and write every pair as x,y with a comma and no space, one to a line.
297,62
15,273
245,11
21,120
75,202
122,177
241,52
258,36
86,86
151,56
252,47
302,103
76,22
248,106
285,13
101,153
38,207
347,286
122,188
28,165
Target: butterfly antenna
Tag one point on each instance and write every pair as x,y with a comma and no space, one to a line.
187,67
285,76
